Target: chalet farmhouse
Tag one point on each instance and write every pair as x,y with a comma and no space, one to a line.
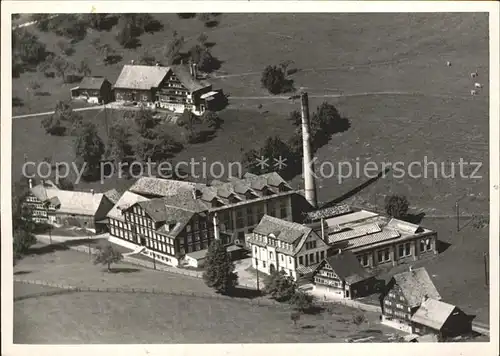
52,205
173,219
280,245
403,296
95,90
343,275
175,88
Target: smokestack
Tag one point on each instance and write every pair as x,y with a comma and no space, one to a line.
30,182
323,229
191,69
216,226
309,183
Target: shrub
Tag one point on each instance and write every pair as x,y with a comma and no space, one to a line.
273,79
396,206
280,286
219,273
302,301
358,319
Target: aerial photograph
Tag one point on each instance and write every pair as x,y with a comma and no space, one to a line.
192,178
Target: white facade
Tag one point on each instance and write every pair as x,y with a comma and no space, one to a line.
273,258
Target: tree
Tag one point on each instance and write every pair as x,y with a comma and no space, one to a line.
23,225
211,119
65,184
172,51
89,149
302,301
273,79
26,48
295,317
273,148
125,36
396,206
156,145
118,145
202,39
145,120
280,286
219,273
106,255
65,47
203,58
147,59
84,68
53,126
62,66
358,319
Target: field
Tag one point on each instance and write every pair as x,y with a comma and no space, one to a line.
385,72
144,318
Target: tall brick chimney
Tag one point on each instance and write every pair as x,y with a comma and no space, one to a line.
308,169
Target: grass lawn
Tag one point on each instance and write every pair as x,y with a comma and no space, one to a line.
141,318
24,289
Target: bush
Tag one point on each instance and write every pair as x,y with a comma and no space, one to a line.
302,301
358,319
396,206
53,126
280,286
273,79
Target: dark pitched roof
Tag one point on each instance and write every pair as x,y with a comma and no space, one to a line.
91,83
328,212
159,187
113,195
347,267
283,230
415,285
183,74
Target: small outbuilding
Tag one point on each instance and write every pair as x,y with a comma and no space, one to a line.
441,319
95,90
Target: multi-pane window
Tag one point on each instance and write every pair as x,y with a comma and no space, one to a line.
283,208
363,260
425,245
239,219
383,255
301,260
404,249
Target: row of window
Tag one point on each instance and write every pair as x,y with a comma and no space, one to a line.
311,245
311,258
272,242
140,230
271,254
327,282
328,274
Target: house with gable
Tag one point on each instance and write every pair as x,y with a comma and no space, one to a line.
343,275
280,245
175,88
441,319
95,90
403,296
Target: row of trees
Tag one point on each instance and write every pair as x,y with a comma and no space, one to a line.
27,51
140,134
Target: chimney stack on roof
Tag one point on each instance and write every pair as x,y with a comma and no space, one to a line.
92,191
191,69
340,251
195,71
30,182
132,61
308,169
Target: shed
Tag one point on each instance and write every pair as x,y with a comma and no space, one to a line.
95,90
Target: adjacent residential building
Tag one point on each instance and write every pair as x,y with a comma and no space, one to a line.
280,245
68,208
343,275
404,294
175,218
377,240
175,88
95,90
441,319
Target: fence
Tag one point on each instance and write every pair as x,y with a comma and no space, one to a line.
69,289
143,263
